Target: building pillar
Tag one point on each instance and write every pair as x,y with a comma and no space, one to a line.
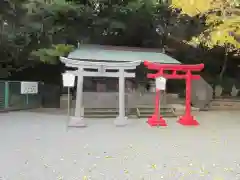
121,120
77,120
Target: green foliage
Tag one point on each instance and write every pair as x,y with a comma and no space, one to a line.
34,25
52,54
29,27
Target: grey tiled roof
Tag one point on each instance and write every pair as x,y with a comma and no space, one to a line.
120,54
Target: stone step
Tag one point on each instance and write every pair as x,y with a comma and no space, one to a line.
100,115
110,100
172,110
179,109
225,104
139,112
100,110
145,115
146,112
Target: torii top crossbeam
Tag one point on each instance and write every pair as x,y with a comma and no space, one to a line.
174,68
107,65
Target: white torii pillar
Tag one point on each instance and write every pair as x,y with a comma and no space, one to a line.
122,118
77,120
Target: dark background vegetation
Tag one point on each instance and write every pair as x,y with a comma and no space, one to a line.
27,26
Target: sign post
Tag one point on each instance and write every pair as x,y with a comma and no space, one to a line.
29,88
68,81
160,86
156,119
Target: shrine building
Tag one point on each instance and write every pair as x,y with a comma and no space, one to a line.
112,77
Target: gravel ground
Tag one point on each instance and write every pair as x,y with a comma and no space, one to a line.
37,146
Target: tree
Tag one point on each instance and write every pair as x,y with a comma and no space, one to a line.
33,28
12,40
51,55
222,21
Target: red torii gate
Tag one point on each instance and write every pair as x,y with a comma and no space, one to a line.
187,119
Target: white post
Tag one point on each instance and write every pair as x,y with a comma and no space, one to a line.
69,102
121,120
77,120
79,94
121,94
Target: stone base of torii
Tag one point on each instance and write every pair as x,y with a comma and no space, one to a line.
81,122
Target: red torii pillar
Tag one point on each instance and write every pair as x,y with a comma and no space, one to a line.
187,119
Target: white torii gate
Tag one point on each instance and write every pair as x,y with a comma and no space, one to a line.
77,120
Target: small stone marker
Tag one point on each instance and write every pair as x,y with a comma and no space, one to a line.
234,91
218,91
201,93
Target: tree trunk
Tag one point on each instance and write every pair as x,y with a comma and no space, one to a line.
224,66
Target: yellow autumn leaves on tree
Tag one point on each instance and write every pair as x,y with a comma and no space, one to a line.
222,20
192,7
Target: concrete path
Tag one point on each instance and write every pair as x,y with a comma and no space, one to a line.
36,146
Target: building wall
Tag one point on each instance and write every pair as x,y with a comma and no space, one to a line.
106,84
